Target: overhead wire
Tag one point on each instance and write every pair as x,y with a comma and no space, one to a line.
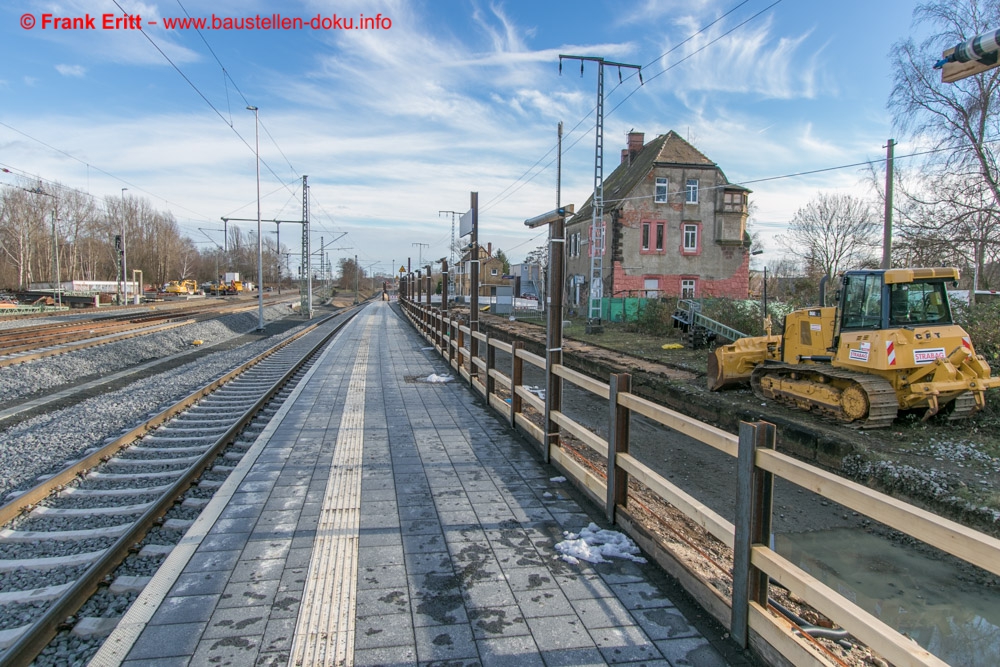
514,187
227,77
202,96
697,51
129,184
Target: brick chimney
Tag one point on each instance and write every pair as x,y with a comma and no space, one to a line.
624,155
489,249
634,144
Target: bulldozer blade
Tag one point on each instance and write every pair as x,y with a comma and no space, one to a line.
717,378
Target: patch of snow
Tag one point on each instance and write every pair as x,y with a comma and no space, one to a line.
557,479
438,379
595,545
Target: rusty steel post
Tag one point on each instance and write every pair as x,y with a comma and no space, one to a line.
474,269
754,508
516,377
451,340
444,285
429,286
618,437
491,362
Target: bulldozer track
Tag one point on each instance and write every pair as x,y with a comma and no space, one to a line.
882,403
962,407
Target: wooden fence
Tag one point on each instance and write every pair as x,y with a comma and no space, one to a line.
747,613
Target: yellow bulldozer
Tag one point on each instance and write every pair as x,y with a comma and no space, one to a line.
890,344
181,287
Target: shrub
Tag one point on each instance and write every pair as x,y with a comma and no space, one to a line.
655,317
981,323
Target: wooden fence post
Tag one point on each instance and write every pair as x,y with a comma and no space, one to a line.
618,435
754,503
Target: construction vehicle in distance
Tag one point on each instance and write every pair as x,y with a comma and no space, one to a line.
229,285
890,344
181,287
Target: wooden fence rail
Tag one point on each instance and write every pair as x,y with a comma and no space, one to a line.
746,613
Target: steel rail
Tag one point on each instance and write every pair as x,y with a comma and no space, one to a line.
34,640
53,349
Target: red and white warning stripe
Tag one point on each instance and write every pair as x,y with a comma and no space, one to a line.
890,352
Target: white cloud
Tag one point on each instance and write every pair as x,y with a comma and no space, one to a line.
750,60
71,70
123,46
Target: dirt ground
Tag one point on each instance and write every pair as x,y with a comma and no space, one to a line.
949,467
952,468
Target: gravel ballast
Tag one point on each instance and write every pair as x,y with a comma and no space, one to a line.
43,444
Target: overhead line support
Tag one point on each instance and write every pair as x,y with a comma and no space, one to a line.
597,226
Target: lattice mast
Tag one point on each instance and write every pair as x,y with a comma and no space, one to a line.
307,298
597,226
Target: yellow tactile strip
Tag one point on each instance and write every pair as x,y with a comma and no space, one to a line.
324,631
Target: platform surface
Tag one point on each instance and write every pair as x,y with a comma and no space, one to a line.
385,520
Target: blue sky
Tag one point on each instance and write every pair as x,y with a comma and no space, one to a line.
456,96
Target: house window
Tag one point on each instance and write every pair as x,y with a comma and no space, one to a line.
692,191
645,236
652,287
575,245
687,289
734,202
659,237
661,191
690,238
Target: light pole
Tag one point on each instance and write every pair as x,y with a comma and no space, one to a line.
124,263
260,243
763,305
57,287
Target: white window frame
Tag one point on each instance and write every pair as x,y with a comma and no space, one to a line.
660,193
494,272
690,237
644,236
688,288
691,191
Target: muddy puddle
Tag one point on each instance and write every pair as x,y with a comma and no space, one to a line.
935,602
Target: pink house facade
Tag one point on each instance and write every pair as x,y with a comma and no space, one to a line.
674,226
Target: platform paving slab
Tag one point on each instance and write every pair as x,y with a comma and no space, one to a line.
454,546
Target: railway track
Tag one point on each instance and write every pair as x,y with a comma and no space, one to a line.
62,540
37,342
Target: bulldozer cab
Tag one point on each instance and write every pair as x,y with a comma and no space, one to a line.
895,298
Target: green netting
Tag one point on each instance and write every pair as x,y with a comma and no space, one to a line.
622,309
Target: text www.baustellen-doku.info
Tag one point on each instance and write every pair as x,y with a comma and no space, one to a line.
50,21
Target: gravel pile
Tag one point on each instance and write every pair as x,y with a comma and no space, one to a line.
963,453
36,376
42,445
945,487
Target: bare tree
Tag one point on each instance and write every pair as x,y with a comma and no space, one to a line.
959,117
948,213
832,232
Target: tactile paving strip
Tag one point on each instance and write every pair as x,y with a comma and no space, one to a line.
324,631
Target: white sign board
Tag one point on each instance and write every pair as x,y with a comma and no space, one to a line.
465,224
